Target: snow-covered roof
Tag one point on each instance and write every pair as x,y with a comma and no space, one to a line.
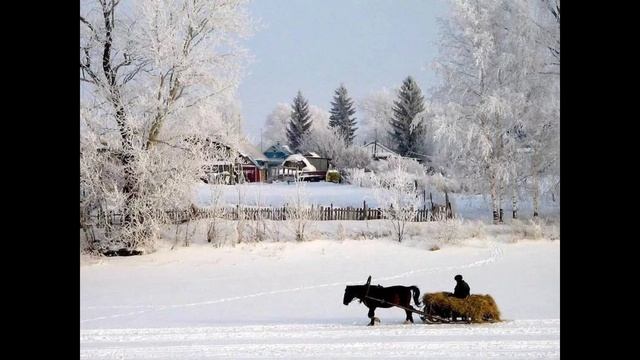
312,154
300,158
377,149
248,150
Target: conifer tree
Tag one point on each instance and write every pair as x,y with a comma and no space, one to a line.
407,127
300,122
341,112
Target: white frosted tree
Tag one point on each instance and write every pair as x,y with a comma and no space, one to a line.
275,127
300,213
231,118
319,117
542,125
376,109
153,74
397,196
328,142
491,61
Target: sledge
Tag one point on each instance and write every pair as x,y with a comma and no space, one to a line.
436,311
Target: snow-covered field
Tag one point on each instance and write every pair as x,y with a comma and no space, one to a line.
284,300
343,195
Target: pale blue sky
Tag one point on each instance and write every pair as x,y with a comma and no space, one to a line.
314,45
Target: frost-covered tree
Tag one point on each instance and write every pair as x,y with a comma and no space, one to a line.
231,117
153,74
319,118
407,122
275,129
300,122
542,125
376,110
341,115
278,120
476,116
492,59
327,142
397,195
300,213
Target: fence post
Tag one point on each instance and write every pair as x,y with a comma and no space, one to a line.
364,212
449,210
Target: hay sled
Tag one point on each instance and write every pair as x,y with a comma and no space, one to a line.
440,307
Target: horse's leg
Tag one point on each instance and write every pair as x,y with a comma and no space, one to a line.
407,303
409,317
372,316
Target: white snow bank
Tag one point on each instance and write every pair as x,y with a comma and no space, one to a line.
284,300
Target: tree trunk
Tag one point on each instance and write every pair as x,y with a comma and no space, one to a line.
536,195
132,219
514,202
495,201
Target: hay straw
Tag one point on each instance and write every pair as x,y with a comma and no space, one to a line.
478,308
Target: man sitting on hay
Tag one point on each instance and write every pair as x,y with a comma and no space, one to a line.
461,304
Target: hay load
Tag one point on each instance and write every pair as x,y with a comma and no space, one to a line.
476,308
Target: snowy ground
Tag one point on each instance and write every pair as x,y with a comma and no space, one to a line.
284,300
475,207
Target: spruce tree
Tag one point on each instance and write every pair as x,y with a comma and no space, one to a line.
407,131
341,111
300,122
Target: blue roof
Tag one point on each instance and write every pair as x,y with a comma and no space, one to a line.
278,151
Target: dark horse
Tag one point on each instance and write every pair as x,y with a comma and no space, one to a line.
398,295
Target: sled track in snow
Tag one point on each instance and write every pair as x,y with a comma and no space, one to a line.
495,253
521,339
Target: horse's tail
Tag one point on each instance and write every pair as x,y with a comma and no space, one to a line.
416,294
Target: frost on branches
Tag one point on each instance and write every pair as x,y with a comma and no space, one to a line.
398,195
275,130
376,109
497,118
154,78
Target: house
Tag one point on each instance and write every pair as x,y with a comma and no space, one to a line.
276,155
321,164
235,164
295,165
282,163
252,162
379,151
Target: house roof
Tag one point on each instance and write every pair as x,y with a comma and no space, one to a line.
248,150
277,147
244,148
379,150
297,158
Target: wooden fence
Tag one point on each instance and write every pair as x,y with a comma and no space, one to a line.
318,213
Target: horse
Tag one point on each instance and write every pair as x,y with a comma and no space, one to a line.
393,295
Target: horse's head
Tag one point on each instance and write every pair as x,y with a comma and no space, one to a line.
349,294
